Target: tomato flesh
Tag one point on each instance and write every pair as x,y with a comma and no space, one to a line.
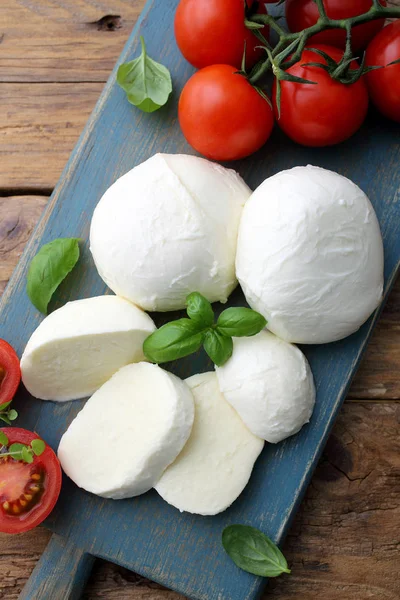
301,14
212,32
10,372
384,84
324,113
28,492
222,116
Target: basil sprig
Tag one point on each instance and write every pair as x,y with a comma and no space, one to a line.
49,268
180,338
147,83
7,414
18,451
252,551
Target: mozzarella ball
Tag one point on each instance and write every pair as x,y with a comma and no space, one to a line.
310,255
215,465
167,228
128,432
81,345
270,384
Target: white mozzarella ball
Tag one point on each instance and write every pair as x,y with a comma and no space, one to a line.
128,432
167,228
81,345
310,255
215,465
270,384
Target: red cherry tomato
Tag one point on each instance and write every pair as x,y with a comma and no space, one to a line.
10,373
222,116
301,14
323,114
28,492
384,84
210,32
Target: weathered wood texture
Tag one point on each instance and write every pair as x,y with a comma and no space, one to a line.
343,544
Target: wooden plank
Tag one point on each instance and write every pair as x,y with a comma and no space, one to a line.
343,544
63,40
41,125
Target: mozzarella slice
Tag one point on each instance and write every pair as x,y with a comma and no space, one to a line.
270,384
168,228
215,465
310,255
81,345
128,432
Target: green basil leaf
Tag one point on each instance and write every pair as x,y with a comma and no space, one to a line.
218,347
199,309
4,406
26,455
3,439
16,451
173,340
146,82
253,551
48,268
38,446
240,321
12,414
5,419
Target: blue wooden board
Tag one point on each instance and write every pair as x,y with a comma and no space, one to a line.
183,551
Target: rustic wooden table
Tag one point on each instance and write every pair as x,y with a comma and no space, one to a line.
55,56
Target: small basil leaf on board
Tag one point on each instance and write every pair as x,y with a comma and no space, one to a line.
3,439
218,347
4,405
173,340
253,551
5,419
49,268
240,321
38,446
199,309
147,83
12,414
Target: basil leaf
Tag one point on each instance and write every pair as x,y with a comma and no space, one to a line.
12,414
16,451
26,455
173,340
240,321
48,268
199,309
3,439
146,82
38,446
252,551
218,347
5,419
4,405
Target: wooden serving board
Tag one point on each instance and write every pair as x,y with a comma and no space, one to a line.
145,534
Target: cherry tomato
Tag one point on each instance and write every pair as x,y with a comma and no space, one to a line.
384,84
301,14
323,114
210,32
222,116
10,373
28,492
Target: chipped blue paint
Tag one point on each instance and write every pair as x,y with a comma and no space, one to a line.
144,534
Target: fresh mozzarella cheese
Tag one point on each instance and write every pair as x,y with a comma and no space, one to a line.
81,345
215,465
167,228
270,384
310,255
128,432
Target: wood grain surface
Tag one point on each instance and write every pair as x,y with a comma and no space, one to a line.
344,544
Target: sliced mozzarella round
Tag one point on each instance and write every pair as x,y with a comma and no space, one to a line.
167,228
270,384
216,463
310,255
81,345
124,455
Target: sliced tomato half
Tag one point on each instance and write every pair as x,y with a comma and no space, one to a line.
10,372
28,492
